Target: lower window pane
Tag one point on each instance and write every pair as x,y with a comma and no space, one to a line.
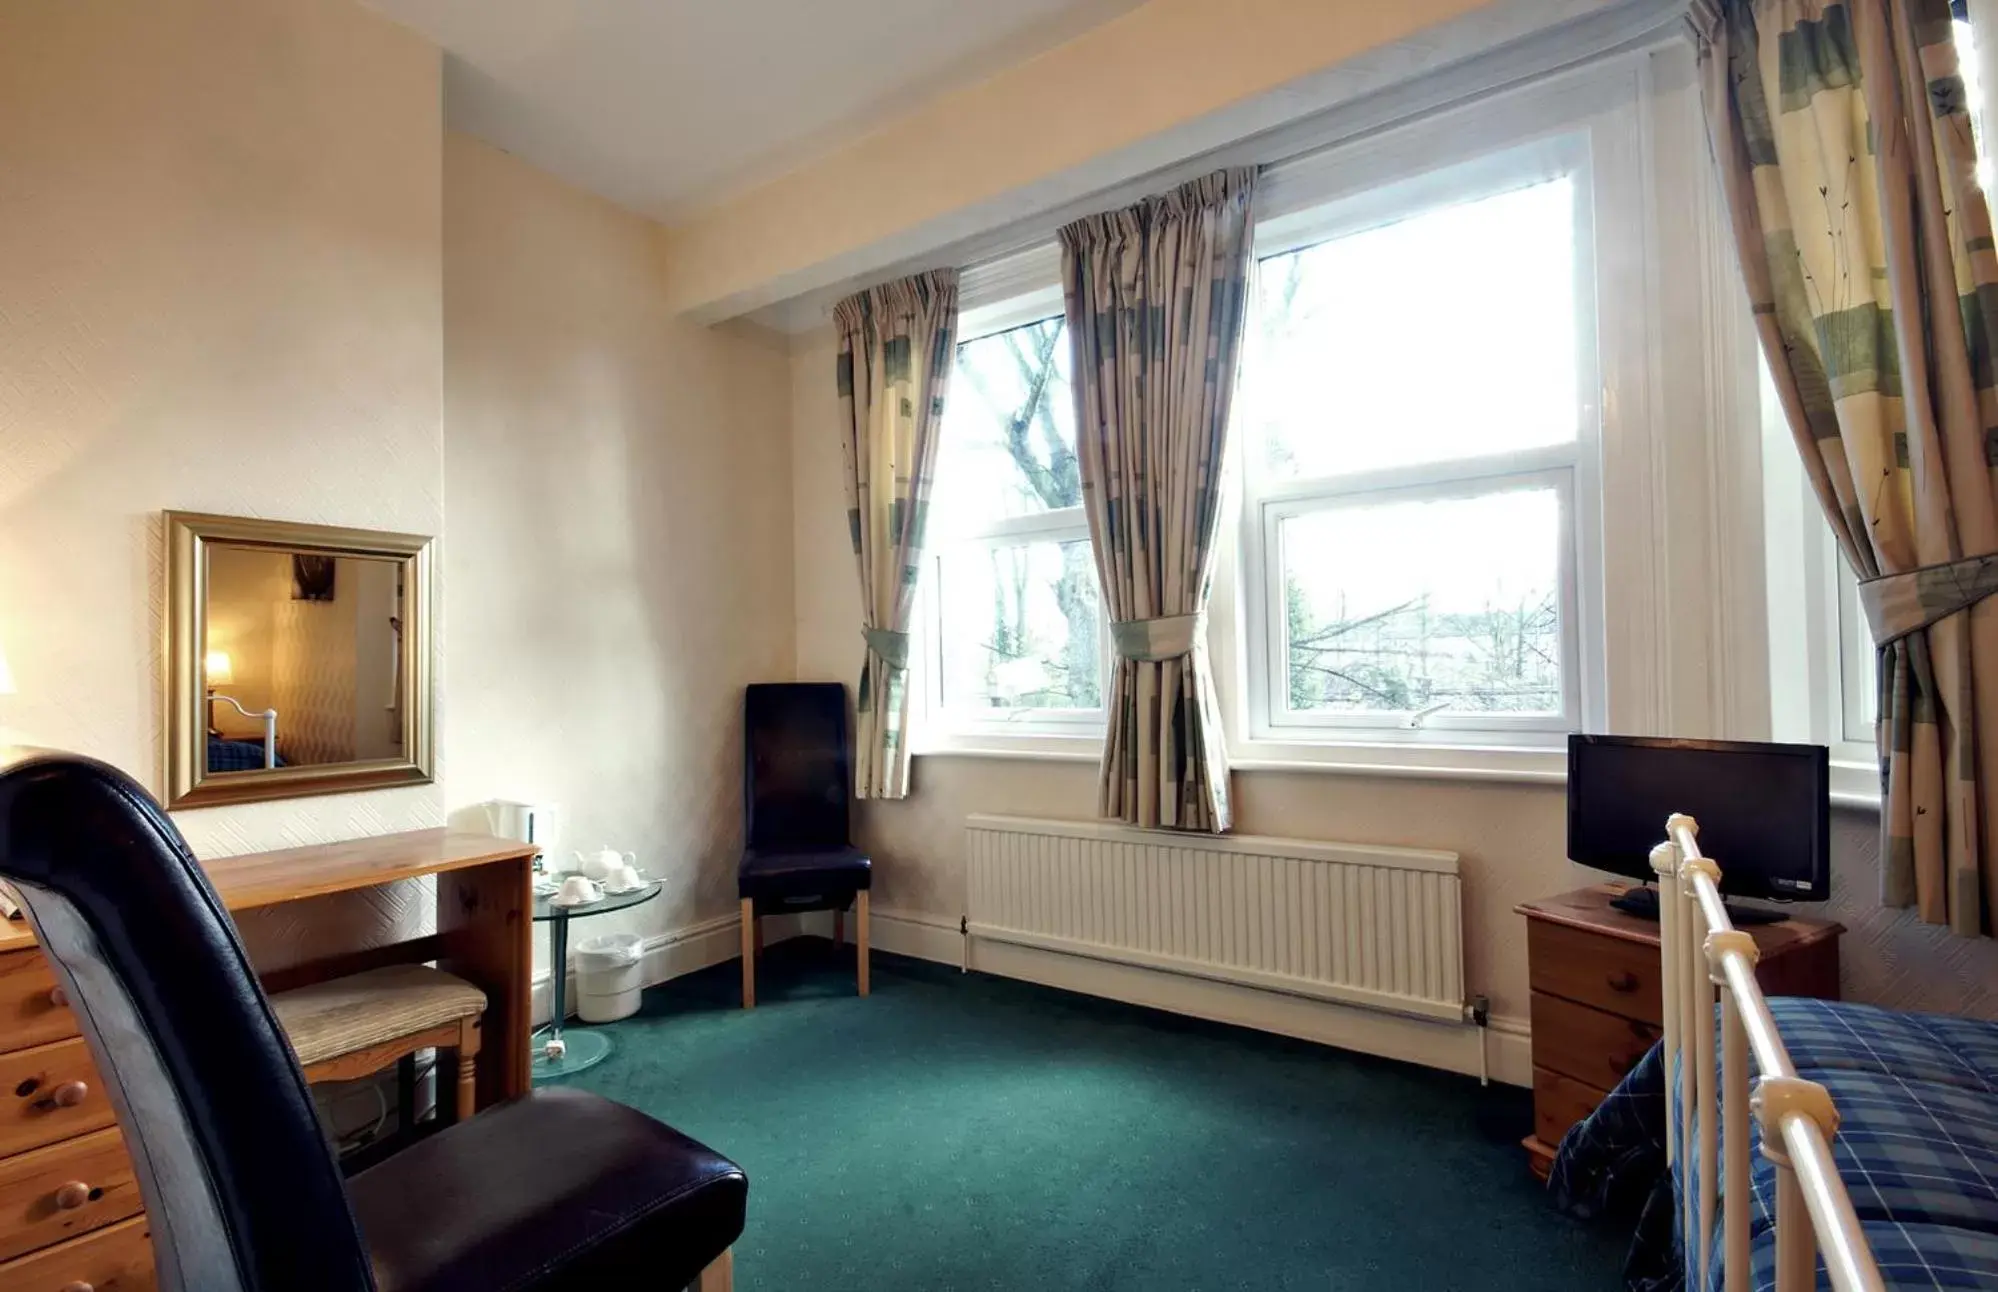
1022,628
1397,607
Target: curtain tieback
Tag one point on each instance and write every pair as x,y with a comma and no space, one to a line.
1899,604
891,646
1155,640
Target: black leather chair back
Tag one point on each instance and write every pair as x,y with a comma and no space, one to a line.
797,768
241,1189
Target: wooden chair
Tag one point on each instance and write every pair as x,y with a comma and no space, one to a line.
353,1026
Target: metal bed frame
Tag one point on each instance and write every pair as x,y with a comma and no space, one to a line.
1702,951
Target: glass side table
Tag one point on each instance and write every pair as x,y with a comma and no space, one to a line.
558,1055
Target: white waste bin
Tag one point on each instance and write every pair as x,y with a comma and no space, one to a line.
607,981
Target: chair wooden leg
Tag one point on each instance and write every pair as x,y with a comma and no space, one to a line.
861,937
748,959
468,1068
718,1277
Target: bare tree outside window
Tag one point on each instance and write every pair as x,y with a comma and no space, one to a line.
1022,620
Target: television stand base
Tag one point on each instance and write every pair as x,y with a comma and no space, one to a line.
1642,902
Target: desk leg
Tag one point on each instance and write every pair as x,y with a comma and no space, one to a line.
484,918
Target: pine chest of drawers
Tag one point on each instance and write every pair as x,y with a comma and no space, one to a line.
1598,1005
70,1215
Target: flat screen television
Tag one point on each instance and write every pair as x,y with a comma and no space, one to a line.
1764,809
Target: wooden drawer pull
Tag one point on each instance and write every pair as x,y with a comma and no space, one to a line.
78,1286
69,1094
72,1195
1625,981
58,997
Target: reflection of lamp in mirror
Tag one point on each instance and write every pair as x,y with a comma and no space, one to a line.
220,672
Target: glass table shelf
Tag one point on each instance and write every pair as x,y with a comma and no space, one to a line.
560,1051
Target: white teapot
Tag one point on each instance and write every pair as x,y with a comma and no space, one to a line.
600,865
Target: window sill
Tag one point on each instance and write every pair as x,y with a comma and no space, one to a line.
1855,786
1500,765
1054,749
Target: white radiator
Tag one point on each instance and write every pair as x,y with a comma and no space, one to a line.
1353,923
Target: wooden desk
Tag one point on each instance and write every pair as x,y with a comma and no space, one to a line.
1598,1005
485,905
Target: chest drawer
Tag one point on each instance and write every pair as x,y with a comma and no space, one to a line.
29,1010
64,1189
1609,973
1558,1103
118,1258
49,1093
1589,1045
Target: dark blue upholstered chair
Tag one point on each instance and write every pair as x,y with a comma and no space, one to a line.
798,853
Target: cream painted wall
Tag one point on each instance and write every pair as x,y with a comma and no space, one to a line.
619,563
221,274
1512,837
220,269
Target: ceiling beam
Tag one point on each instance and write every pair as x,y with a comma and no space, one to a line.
1168,80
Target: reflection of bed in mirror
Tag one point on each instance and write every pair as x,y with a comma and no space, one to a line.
313,641
293,668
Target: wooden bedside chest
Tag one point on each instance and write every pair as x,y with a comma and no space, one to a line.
1597,1006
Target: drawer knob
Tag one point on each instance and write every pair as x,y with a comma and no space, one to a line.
78,1286
69,1094
58,997
1625,981
72,1195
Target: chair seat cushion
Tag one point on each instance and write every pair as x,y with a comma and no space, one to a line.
329,1019
798,880
556,1190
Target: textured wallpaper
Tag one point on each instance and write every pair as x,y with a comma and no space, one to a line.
220,290
619,563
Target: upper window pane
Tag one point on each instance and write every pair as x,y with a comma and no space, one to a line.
1008,445
1452,602
1450,334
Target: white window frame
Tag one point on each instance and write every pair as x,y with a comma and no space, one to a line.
1821,664
1567,468
941,727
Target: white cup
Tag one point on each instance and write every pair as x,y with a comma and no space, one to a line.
578,889
623,878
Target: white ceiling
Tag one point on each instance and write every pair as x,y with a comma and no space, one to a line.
668,105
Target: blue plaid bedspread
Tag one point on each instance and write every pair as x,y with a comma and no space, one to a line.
1917,1148
236,755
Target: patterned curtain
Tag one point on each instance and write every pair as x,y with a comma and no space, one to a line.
1845,149
896,347
1156,297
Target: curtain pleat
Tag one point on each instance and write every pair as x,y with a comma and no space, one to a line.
1845,148
1156,299
897,345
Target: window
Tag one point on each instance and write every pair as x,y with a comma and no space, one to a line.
1414,419
1017,636
1494,457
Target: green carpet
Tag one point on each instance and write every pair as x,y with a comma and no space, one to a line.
967,1132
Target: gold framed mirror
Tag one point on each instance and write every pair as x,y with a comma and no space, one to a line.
297,660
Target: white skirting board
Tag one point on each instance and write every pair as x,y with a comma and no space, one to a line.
936,938
667,955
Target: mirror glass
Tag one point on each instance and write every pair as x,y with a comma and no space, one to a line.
302,660
297,659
